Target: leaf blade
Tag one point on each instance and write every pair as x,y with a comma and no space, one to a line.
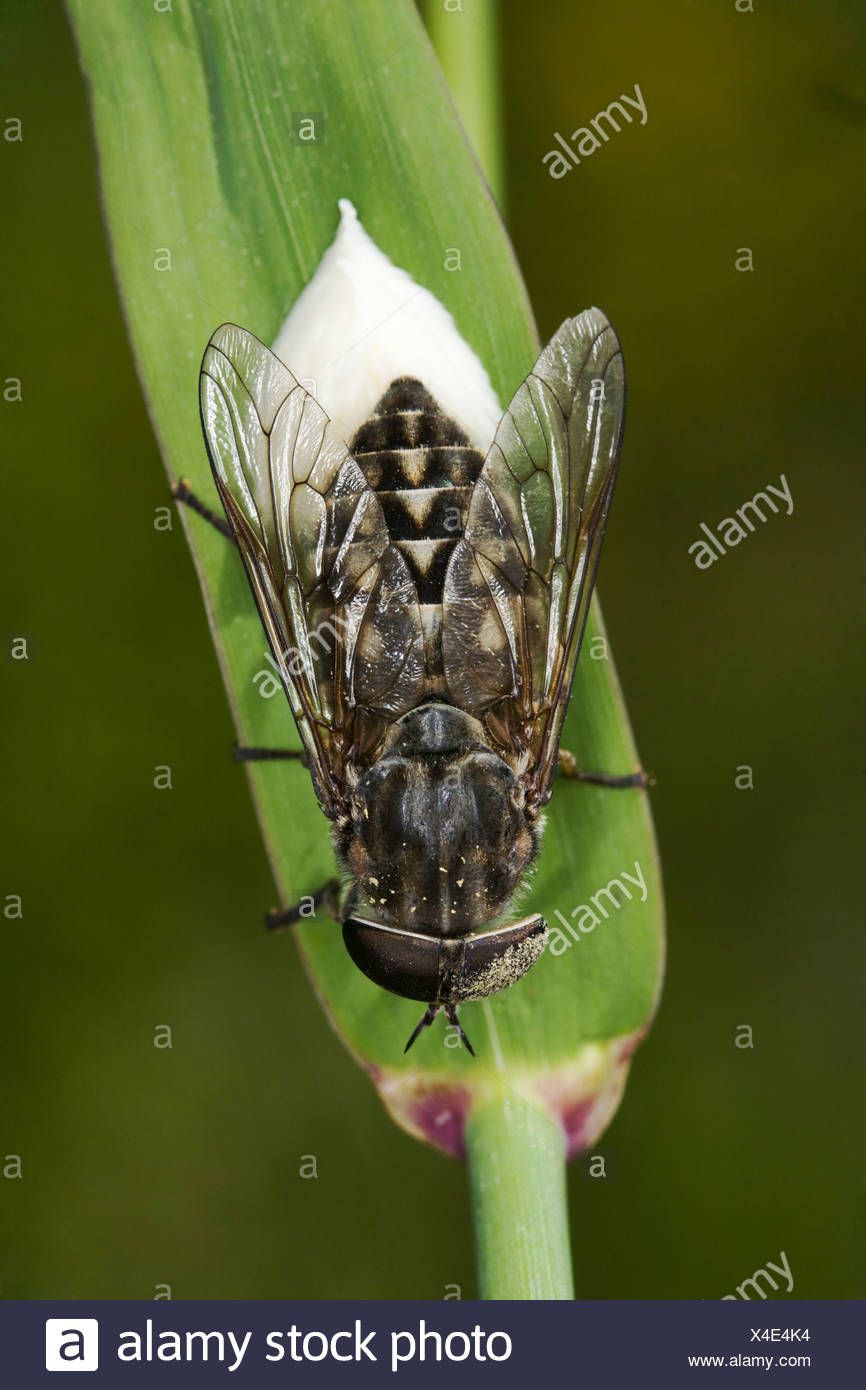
203,175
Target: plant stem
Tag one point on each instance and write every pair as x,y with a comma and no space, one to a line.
516,1153
516,1157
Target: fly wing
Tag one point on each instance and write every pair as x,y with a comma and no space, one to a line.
519,582
334,594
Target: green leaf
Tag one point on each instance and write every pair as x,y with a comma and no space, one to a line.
217,212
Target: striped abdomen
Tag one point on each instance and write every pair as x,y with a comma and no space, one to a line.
422,468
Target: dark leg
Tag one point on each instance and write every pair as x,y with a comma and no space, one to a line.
326,895
428,1017
182,493
451,1015
568,767
243,754
432,1011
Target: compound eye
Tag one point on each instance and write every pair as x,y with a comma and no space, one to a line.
403,962
496,959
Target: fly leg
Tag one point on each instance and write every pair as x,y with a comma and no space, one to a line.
426,1020
569,768
244,754
451,1015
428,1017
182,492
326,897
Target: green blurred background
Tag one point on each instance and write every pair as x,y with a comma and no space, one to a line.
145,1167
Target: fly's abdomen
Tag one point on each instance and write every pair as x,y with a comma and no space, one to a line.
422,468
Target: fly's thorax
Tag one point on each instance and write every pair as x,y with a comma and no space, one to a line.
438,837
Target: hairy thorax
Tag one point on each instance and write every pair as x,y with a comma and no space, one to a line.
438,835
